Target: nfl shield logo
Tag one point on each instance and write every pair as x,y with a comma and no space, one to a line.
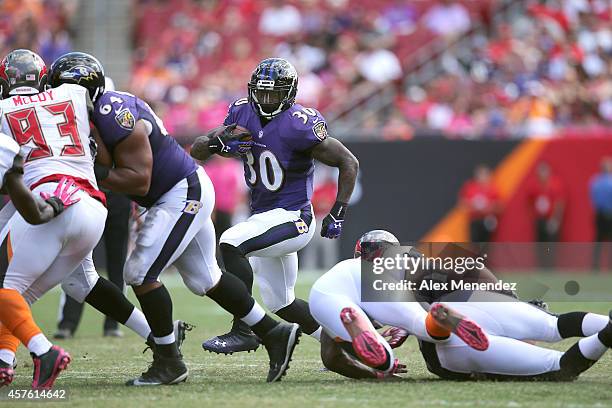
260,134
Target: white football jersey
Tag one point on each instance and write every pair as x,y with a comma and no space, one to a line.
9,149
52,129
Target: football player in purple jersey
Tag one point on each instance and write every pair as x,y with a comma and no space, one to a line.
155,172
286,140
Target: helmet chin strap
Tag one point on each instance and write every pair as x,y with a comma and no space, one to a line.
269,115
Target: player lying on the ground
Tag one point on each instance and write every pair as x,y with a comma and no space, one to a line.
154,171
506,322
286,140
335,302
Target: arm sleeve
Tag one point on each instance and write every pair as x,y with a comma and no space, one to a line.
231,115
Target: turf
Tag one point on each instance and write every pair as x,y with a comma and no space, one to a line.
101,365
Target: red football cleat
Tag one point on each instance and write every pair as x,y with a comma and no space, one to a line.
48,366
464,328
365,341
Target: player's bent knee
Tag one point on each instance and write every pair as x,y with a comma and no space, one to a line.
78,289
229,249
200,285
275,302
230,237
132,275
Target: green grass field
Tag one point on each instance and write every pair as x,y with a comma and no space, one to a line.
101,365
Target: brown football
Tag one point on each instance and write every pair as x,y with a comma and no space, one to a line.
242,130
239,130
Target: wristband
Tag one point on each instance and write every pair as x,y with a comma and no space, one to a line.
215,145
338,211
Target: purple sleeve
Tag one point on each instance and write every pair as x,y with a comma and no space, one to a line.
310,129
115,116
232,112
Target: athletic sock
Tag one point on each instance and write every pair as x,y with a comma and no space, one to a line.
39,344
586,352
109,300
236,263
605,335
592,347
570,324
157,307
264,326
231,294
573,362
16,316
594,323
299,312
138,323
7,356
317,334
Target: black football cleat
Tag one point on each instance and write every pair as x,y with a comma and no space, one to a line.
280,343
162,371
113,333
48,366
239,338
180,330
7,372
63,334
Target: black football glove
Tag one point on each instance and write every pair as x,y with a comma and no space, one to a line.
228,144
331,227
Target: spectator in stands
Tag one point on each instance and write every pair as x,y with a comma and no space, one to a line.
399,18
447,18
280,19
480,198
547,200
376,63
601,197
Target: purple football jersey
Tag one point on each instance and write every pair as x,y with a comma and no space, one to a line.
115,116
279,169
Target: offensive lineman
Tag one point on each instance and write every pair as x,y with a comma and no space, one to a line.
279,171
508,324
154,171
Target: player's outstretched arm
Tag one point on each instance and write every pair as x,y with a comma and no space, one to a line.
133,160
333,153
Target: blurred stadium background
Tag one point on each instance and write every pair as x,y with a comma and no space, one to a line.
422,91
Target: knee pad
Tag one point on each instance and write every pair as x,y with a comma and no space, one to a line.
275,298
201,284
78,285
132,271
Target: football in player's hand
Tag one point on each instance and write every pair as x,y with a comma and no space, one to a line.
238,133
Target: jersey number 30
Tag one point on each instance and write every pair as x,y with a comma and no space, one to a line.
270,170
26,128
